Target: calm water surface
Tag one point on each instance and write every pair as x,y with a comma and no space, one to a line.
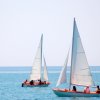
11,79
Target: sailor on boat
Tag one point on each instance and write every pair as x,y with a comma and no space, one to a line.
74,89
40,82
31,82
87,90
98,89
25,82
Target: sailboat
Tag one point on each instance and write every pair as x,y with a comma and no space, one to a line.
37,78
80,74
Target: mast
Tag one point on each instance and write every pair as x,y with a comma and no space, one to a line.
41,53
71,55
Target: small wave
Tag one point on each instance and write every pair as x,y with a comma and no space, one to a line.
25,72
14,72
20,72
95,71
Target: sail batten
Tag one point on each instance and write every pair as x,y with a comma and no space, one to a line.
80,71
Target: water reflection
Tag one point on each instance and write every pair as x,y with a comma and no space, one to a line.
78,98
84,98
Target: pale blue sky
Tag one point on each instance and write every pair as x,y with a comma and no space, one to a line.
23,21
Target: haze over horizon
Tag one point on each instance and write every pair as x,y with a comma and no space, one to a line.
22,22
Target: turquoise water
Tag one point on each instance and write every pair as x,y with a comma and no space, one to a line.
11,79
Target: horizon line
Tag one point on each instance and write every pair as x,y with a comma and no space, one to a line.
49,66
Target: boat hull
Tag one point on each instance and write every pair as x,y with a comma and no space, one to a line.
38,85
62,93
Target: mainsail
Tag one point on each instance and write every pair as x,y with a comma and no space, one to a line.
62,78
45,74
80,72
37,64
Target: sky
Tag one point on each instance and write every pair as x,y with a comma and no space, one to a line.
23,21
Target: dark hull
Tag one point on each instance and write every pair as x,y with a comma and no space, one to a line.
41,85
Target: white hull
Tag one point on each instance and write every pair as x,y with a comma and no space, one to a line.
62,93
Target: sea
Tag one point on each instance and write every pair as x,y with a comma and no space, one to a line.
11,79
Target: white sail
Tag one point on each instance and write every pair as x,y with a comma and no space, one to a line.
36,68
45,74
80,72
62,78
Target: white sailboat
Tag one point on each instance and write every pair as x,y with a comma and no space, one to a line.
80,73
36,73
